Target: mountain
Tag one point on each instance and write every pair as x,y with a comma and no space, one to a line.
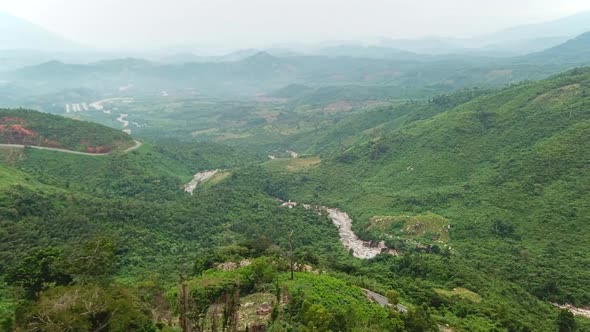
182,58
25,127
427,45
264,73
573,51
19,34
566,27
514,41
369,52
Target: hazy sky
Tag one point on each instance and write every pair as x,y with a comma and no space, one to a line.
127,24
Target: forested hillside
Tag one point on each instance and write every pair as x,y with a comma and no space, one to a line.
508,170
26,127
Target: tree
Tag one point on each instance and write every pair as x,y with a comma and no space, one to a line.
393,296
204,262
318,318
87,308
565,321
38,271
93,260
419,320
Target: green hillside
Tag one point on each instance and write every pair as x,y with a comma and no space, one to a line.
26,127
482,194
509,170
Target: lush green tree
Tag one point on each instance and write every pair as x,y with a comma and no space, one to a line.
566,321
38,271
87,308
393,296
318,318
419,320
92,260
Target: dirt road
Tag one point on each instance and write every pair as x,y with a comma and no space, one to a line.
137,145
383,301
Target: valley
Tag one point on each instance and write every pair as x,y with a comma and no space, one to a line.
420,185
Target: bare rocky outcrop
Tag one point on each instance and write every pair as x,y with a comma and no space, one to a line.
584,312
198,179
360,249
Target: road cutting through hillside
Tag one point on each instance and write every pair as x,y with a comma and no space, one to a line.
137,145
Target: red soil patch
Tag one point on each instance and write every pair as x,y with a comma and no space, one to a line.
98,149
12,131
10,120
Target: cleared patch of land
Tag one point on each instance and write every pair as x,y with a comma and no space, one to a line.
198,179
255,310
462,293
429,227
293,164
216,179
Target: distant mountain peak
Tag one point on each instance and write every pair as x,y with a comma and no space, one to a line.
19,34
262,55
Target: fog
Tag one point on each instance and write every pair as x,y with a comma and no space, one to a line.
218,24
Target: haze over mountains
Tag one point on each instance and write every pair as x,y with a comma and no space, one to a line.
17,35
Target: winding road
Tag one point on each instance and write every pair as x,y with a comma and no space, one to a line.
383,301
137,145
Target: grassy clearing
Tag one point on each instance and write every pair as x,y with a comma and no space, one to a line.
462,293
216,179
293,164
431,227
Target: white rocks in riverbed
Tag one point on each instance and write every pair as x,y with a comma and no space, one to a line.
360,249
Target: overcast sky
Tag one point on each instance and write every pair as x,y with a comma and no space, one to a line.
128,24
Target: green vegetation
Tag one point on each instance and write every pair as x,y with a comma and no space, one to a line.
430,228
40,129
482,194
293,164
461,293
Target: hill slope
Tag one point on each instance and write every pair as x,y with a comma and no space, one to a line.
508,169
573,51
25,127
